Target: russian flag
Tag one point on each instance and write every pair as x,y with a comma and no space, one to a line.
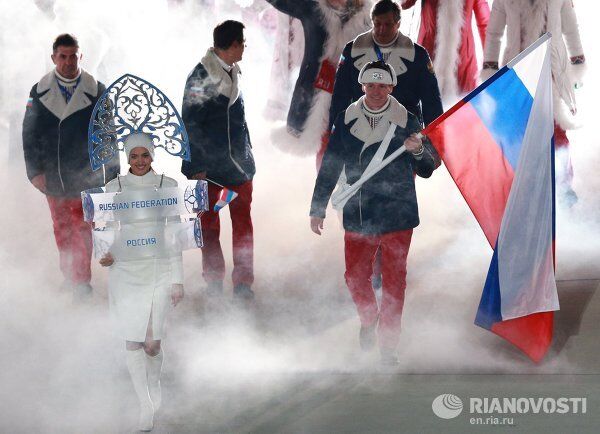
497,144
225,197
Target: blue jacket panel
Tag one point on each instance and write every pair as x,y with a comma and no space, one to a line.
59,149
315,36
417,87
219,138
388,201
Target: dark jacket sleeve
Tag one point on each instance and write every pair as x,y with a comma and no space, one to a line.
293,8
193,114
429,92
342,89
32,146
329,173
430,159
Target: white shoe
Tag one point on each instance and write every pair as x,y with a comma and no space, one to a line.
154,367
136,363
146,422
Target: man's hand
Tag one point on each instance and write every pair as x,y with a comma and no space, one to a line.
39,182
107,260
176,293
316,225
200,176
414,144
577,73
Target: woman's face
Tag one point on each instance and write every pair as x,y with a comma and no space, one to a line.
140,161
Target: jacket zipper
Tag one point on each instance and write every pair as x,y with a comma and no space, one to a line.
360,193
360,206
58,159
229,142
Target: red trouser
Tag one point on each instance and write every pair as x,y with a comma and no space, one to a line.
213,263
560,137
564,168
73,238
360,253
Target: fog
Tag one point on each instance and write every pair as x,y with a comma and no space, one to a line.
61,367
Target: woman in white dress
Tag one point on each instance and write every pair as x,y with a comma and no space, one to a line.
141,290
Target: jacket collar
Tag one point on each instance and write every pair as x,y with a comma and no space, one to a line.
363,51
54,101
134,182
396,113
227,86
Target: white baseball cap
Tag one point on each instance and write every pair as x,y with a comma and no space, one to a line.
377,72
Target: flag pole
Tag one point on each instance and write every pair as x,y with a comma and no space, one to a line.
216,183
529,49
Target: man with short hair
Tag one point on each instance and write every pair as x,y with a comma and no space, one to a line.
381,215
417,88
56,156
213,113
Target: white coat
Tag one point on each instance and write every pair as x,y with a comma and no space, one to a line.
138,288
525,21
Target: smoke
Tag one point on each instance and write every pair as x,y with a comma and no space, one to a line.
62,369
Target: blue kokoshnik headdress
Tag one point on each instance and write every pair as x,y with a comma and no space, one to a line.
131,105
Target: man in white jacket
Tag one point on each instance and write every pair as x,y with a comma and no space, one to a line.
525,21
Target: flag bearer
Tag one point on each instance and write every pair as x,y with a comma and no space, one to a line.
383,213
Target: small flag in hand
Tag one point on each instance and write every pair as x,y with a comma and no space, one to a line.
225,197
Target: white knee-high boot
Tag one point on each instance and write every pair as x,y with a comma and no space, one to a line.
154,367
136,363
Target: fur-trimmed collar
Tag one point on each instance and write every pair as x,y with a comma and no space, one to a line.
87,84
54,100
363,51
536,13
396,113
226,85
343,29
450,19
339,32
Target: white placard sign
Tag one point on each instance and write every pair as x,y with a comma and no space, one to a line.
146,223
189,198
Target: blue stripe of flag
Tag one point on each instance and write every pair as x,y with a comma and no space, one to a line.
508,124
489,311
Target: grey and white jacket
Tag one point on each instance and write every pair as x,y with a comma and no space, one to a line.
214,116
55,140
388,201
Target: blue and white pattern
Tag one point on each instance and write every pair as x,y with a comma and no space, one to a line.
198,233
196,197
133,105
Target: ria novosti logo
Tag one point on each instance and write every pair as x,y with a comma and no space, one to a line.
447,406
